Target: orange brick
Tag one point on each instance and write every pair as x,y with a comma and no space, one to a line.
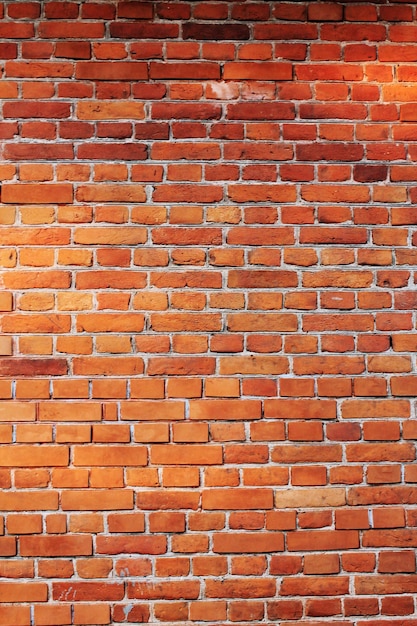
184,433
180,477
86,614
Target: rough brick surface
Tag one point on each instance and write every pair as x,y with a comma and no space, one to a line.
207,319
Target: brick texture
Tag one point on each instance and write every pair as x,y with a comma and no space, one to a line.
208,312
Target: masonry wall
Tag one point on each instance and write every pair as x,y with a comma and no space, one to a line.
208,328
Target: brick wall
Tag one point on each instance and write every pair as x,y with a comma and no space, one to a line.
208,328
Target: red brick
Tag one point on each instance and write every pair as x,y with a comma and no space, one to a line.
361,606
259,71
88,614
392,562
323,540
385,584
325,564
285,609
306,431
36,193
232,499
325,12
230,409
259,542
241,588
187,589
97,500
315,585
319,608
300,409
56,545
193,70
